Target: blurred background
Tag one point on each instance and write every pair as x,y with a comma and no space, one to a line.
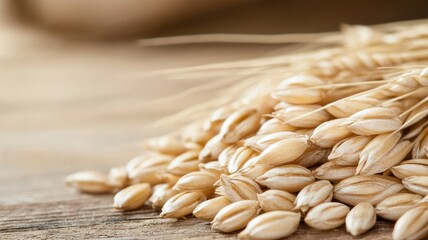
71,71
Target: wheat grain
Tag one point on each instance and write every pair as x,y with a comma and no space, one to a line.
274,125
118,177
421,142
239,158
240,124
182,204
284,151
212,167
333,172
223,112
235,216
132,197
327,216
372,189
313,155
271,225
416,115
330,133
254,171
161,194
195,133
412,225
184,163
393,207
168,144
212,149
196,182
313,195
225,155
360,219
347,152
263,142
276,200
347,107
208,209
280,106
311,119
414,167
168,178
290,178
382,153
89,182
417,184
294,90
237,188
366,60
373,121
146,168
251,162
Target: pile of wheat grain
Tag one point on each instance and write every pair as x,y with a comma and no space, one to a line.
330,136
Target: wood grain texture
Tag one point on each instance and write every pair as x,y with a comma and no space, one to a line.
68,106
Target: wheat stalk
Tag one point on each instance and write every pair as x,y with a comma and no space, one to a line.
337,119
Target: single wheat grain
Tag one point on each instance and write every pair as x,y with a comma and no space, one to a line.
313,195
208,209
327,216
272,225
132,197
290,178
360,219
182,204
413,225
393,207
235,216
89,182
276,200
372,189
237,188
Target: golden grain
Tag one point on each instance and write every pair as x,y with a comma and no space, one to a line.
393,207
208,209
240,124
132,197
182,204
417,184
372,189
412,225
235,216
89,182
237,188
313,195
330,133
184,163
276,200
327,216
272,225
290,178
360,219
373,121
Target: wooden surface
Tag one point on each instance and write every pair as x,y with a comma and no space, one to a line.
67,106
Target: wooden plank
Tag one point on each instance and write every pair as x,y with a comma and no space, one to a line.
70,215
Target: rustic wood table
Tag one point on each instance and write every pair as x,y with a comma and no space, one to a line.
67,106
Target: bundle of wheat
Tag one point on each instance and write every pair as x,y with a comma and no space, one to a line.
308,135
